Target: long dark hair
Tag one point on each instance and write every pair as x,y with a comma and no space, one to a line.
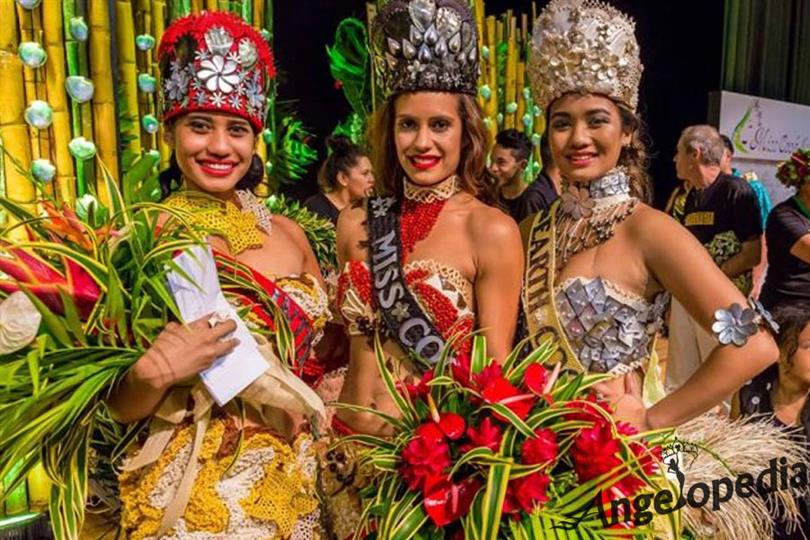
172,178
343,155
474,147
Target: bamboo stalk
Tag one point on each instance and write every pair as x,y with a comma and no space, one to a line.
13,129
196,6
258,14
158,25
87,113
26,25
511,75
77,111
146,103
105,132
128,68
57,97
520,84
211,5
43,135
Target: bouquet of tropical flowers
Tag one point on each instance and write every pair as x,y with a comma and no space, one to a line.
82,297
489,451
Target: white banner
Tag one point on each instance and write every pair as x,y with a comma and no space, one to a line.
763,129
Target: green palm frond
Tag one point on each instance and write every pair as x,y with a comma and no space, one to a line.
320,232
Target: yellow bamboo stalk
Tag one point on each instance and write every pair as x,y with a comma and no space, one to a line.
211,5
196,6
105,121
44,136
492,65
511,76
26,25
521,100
258,14
13,129
128,68
57,97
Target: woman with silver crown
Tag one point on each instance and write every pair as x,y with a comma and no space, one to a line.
601,262
428,261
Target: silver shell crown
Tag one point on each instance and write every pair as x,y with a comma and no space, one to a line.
584,46
426,45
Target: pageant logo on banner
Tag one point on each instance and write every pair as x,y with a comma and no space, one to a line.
764,129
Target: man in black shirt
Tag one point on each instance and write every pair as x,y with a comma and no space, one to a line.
722,212
509,160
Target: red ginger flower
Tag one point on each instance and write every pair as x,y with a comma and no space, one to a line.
425,456
542,448
495,388
596,451
421,389
487,435
526,493
587,410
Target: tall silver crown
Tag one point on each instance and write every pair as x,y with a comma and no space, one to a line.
427,45
584,46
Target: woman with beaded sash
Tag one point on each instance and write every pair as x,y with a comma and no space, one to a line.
428,260
246,469
600,262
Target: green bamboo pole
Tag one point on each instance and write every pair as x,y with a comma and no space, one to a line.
128,68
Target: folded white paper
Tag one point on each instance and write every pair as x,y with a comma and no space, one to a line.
197,294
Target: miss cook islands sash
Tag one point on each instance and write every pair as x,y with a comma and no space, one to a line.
405,320
537,292
297,319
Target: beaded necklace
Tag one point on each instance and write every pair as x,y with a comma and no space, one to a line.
421,208
587,216
238,227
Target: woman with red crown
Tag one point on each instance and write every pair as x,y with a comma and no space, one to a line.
429,260
208,471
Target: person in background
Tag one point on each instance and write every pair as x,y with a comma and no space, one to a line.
345,177
788,237
722,212
782,390
509,160
765,205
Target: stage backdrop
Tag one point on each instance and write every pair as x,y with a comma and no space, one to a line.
764,132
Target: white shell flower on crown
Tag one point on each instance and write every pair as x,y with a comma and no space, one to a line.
219,74
19,322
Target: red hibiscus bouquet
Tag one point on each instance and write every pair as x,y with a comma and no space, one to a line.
518,450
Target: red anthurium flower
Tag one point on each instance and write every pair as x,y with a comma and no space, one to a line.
445,501
452,425
487,435
542,448
44,281
425,456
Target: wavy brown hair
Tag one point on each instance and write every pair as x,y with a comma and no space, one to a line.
475,143
634,157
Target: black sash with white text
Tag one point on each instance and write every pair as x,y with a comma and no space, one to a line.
407,323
